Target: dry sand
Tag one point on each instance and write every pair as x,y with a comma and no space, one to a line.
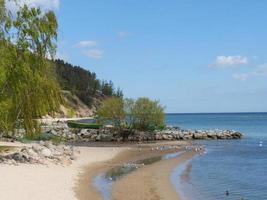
52,182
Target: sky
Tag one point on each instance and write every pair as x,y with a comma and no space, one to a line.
193,56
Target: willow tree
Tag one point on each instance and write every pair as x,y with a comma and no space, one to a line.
28,88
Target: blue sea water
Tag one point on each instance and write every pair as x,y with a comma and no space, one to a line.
236,166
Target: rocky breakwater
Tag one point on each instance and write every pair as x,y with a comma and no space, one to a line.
38,153
170,133
180,134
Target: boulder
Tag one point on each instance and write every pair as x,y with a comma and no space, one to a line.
46,152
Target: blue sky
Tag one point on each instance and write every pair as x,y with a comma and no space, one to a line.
194,56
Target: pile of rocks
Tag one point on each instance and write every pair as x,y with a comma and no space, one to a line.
39,153
197,134
171,133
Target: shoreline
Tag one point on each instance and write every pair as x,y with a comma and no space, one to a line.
51,181
151,182
71,181
131,186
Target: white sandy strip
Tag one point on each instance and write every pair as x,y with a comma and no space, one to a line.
51,120
53,182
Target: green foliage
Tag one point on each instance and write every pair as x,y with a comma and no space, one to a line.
112,109
71,112
147,114
74,124
128,110
83,83
142,114
44,137
28,88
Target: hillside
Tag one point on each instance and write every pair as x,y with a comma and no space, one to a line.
82,90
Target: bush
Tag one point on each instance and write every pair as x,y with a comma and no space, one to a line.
141,114
147,114
112,110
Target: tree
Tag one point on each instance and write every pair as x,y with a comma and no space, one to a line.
147,114
128,110
111,109
119,93
83,83
28,88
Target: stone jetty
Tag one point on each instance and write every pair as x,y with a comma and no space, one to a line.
108,134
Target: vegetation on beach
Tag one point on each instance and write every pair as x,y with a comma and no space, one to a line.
112,110
28,87
141,114
31,81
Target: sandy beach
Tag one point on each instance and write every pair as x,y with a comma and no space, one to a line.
148,183
74,181
53,182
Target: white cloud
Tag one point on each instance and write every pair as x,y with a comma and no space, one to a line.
43,4
123,34
259,71
229,61
86,43
93,53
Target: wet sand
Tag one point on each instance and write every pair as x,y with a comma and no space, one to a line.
147,183
151,182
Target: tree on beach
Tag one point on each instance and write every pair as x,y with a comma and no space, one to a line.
147,114
28,87
141,114
111,109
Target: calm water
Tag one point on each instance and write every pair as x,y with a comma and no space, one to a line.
239,166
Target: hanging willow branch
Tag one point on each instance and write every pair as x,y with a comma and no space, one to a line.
28,88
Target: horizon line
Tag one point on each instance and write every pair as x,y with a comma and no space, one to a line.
215,112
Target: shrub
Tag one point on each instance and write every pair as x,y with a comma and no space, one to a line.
112,110
141,114
147,114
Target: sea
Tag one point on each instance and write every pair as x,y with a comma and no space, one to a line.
229,169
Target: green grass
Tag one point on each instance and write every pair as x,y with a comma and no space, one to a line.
44,137
74,124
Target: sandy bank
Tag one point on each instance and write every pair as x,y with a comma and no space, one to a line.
139,181
51,120
151,182
53,182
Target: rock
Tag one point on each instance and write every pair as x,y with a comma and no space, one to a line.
19,157
73,157
37,148
48,144
46,152
53,132
106,138
98,138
